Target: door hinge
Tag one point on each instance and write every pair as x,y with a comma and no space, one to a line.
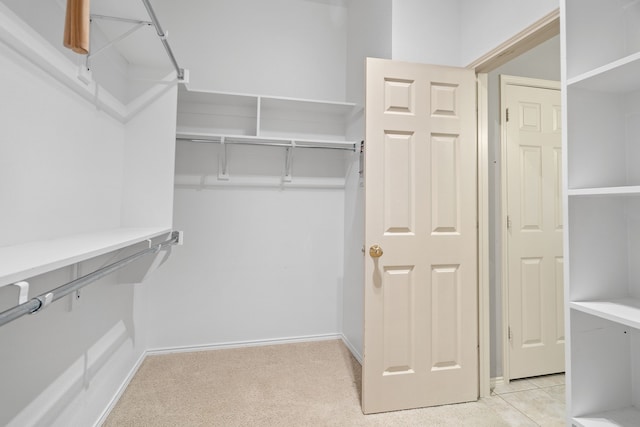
507,114
509,333
508,222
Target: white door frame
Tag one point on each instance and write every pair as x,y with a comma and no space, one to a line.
535,34
504,82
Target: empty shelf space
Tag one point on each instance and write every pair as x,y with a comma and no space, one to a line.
625,311
26,260
622,417
605,191
617,76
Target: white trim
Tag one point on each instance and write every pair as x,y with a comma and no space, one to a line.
351,348
484,304
505,81
118,394
496,381
241,344
540,31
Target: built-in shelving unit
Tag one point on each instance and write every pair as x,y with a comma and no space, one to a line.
601,90
218,114
231,120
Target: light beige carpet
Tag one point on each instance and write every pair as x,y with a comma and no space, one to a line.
306,384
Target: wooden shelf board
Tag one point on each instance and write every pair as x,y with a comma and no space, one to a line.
26,260
622,417
617,76
605,191
624,311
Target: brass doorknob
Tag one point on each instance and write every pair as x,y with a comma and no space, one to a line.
375,251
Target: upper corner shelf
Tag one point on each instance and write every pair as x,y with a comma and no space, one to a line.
622,75
262,116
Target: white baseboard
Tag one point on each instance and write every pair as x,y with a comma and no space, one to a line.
351,348
121,389
239,344
496,381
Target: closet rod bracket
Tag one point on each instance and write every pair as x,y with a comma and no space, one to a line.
223,173
44,300
288,162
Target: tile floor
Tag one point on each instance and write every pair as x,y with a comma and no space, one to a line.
539,399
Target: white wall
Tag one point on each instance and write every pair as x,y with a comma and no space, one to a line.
259,262
65,167
368,35
293,48
426,31
484,25
542,62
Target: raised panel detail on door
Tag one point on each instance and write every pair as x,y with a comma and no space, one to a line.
399,96
397,289
530,119
443,99
398,182
445,321
531,184
444,183
557,184
559,265
531,301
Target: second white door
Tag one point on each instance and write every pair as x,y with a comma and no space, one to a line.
535,333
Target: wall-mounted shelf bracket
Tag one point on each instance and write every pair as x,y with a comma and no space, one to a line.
23,291
288,162
223,173
137,24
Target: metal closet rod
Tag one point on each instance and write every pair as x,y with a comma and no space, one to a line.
38,303
163,38
268,144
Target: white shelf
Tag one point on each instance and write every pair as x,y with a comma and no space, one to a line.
301,142
23,261
245,99
618,76
605,191
237,114
622,417
624,311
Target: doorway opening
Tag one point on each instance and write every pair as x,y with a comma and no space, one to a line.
535,54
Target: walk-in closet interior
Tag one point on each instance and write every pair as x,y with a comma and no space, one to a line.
201,169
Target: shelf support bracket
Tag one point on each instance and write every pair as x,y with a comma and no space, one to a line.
23,291
223,173
288,162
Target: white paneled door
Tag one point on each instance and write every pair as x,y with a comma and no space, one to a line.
420,340
534,229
